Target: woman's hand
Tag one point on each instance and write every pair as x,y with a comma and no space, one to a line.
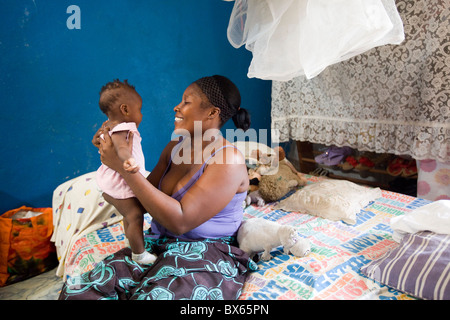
108,150
131,166
96,139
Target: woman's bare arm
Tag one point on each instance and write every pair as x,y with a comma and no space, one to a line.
209,195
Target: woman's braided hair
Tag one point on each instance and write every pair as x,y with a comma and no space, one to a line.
223,94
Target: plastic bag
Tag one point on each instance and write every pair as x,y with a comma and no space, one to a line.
25,246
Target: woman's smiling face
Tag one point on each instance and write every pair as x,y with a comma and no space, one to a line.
189,110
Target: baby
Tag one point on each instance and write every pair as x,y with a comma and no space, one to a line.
122,105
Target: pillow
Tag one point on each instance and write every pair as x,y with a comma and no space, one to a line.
78,208
434,216
331,199
419,266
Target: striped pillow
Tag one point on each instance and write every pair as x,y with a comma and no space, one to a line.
419,266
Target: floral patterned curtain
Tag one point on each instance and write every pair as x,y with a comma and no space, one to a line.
393,99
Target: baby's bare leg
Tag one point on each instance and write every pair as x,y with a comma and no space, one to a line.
133,219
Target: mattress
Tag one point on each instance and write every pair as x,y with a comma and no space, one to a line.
331,271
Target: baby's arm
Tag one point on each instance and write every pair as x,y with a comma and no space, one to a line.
124,152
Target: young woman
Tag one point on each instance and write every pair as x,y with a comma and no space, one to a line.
195,195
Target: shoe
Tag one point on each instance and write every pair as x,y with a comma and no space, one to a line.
395,167
144,257
349,164
410,168
333,156
364,164
319,172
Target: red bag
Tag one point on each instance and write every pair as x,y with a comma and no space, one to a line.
25,246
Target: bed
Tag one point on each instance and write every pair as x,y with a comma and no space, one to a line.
346,260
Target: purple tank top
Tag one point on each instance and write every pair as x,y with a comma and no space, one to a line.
223,224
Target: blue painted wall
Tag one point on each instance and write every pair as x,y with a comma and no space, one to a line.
50,77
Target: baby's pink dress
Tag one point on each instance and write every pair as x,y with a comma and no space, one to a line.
110,181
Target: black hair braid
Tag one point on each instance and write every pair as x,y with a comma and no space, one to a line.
224,94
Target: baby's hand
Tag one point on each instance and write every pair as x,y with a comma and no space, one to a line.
130,165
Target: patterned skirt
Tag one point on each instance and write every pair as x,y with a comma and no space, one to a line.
185,269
